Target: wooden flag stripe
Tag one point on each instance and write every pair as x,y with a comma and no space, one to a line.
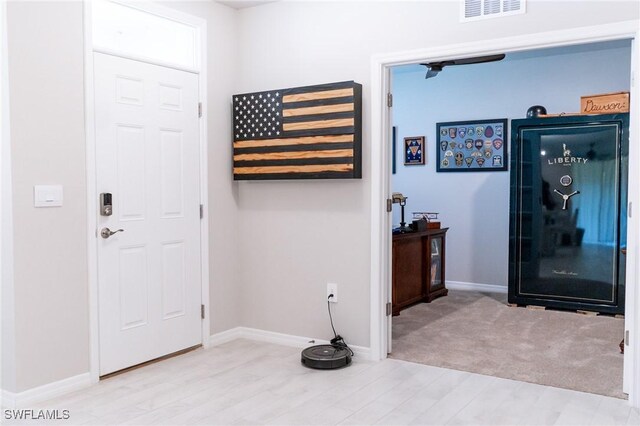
294,141
294,169
297,176
323,109
294,154
321,132
294,162
322,124
319,102
289,148
317,117
310,96
320,87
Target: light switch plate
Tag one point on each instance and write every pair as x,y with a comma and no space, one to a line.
47,196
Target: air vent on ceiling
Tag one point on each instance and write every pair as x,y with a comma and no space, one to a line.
473,10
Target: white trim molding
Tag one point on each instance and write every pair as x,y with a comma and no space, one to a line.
7,399
7,289
145,60
44,392
631,374
485,288
204,180
380,294
380,176
92,221
225,336
278,339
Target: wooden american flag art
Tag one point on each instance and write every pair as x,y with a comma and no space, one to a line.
311,132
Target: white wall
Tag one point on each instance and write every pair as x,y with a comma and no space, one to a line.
47,141
47,127
475,206
296,236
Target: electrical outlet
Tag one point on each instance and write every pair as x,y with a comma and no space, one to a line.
332,288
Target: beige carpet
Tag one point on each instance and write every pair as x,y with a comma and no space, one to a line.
478,332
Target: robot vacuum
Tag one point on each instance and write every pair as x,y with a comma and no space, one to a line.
326,357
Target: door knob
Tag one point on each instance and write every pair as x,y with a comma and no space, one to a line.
106,232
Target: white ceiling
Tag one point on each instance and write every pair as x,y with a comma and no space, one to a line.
243,4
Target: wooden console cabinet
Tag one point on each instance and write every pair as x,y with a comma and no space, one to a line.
418,268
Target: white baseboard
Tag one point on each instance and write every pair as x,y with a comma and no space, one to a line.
44,392
278,339
7,399
487,288
224,336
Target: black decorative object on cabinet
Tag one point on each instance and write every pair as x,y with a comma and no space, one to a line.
568,208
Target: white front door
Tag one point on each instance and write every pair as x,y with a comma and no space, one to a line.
147,157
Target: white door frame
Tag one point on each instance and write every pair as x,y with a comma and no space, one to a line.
381,176
92,196
7,297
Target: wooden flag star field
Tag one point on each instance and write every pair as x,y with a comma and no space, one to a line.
311,132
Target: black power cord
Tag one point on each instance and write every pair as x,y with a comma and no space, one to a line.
330,318
337,341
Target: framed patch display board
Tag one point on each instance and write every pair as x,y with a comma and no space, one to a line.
472,146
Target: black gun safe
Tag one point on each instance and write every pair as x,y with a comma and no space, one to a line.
568,209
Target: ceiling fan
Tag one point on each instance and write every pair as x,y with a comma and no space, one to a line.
433,68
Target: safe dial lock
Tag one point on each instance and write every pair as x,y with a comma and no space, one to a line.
566,180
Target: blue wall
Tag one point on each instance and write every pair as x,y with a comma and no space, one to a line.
475,206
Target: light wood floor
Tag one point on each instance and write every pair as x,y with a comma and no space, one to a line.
246,382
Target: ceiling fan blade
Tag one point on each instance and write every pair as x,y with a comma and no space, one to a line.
432,73
477,60
433,68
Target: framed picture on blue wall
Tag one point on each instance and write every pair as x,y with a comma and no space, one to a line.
472,146
414,151
394,149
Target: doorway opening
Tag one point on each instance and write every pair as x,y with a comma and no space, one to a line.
473,329
381,224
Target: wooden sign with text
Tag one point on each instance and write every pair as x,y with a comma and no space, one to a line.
607,103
